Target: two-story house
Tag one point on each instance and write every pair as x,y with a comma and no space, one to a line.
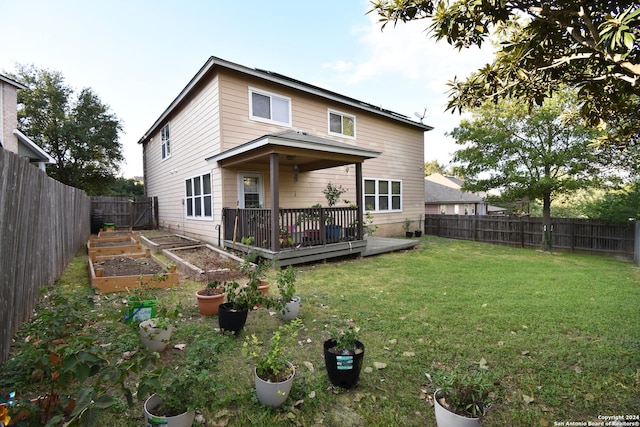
242,155
11,139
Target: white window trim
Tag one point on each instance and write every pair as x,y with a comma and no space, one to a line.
340,113
241,176
201,217
167,153
389,180
270,95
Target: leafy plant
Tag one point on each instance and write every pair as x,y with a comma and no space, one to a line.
243,297
346,335
271,359
213,288
286,280
407,224
465,393
333,192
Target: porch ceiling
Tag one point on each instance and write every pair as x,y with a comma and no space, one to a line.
309,152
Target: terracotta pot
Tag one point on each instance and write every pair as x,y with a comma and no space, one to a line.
208,304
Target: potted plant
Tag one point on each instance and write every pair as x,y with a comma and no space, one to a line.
176,392
407,225
462,400
175,400
418,231
332,193
288,304
155,333
256,273
273,371
232,315
210,298
344,355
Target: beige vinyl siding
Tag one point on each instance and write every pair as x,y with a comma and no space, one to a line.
402,150
194,136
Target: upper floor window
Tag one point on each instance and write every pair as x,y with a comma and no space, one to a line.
166,142
198,197
342,124
383,194
269,107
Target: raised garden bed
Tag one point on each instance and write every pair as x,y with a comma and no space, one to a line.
117,274
159,243
109,246
205,262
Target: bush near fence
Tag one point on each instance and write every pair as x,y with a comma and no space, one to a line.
43,224
570,234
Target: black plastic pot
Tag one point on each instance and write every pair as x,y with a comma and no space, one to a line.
343,369
418,233
231,320
408,233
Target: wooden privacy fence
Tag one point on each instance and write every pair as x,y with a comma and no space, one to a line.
43,224
571,234
137,213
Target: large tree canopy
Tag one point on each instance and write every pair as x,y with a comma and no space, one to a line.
591,45
80,133
528,154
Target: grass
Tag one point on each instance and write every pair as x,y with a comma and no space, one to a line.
558,334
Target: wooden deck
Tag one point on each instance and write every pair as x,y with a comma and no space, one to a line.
370,246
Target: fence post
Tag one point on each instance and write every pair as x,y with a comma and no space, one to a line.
636,245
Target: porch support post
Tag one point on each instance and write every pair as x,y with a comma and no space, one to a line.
359,201
274,165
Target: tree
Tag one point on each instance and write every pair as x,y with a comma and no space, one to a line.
593,46
618,205
432,166
80,133
528,155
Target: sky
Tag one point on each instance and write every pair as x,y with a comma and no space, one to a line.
138,55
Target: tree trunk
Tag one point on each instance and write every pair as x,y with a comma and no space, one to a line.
546,222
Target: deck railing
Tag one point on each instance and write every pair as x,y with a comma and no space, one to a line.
296,227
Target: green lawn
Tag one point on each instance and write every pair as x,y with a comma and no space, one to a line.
558,334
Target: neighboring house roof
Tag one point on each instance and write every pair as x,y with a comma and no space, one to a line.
214,62
310,151
31,150
12,82
435,192
449,181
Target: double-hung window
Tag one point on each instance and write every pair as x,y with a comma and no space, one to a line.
198,197
342,124
165,137
383,195
269,107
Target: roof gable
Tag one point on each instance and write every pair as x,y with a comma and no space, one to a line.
214,62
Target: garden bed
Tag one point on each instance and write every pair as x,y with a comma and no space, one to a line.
168,241
114,244
117,274
205,262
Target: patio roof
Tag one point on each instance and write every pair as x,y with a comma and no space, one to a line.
308,152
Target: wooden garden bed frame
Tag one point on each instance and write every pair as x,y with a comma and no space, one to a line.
124,283
194,271
159,247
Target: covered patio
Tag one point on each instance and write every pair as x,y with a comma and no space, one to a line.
293,234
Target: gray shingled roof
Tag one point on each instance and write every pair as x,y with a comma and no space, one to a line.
438,193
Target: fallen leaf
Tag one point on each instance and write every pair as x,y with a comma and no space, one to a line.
312,395
544,423
309,366
298,404
484,305
409,354
483,364
525,352
368,370
179,346
577,369
500,343
428,376
528,399
393,341
379,365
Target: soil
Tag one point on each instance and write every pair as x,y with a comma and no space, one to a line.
99,244
210,261
124,266
171,239
207,259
